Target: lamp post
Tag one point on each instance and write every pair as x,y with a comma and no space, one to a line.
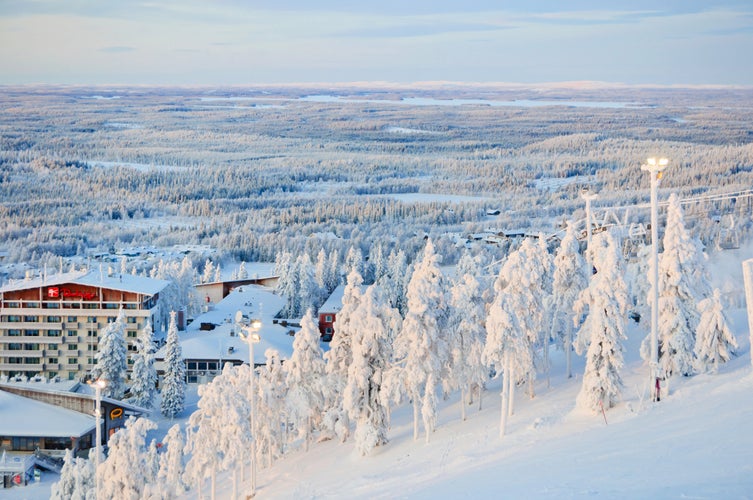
588,196
98,386
250,333
655,168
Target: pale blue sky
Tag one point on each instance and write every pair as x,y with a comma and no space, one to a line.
218,42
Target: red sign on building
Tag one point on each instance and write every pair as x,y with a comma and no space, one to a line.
53,292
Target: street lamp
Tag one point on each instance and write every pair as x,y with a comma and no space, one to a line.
655,168
98,386
588,196
250,333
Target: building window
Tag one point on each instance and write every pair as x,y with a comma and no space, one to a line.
26,443
131,348
15,360
131,319
92,347
53,361
111,320
14,318
91,333
54,333
132,334
31,347
31,333
15,347
72,333
91,319
72,319
31,319
328,318
72,361
54,319
14,333
73,347
91,361
52,374
328,330
31,361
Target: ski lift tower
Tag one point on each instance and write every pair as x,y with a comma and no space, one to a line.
655,168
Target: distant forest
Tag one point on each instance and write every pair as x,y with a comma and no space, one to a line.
254,172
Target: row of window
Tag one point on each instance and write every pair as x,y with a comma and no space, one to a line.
15,318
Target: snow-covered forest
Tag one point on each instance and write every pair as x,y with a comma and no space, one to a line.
255,171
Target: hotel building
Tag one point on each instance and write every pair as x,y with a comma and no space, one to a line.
51,326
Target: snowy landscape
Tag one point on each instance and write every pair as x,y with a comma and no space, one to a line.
494,245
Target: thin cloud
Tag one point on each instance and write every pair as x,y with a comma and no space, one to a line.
417,30
117,49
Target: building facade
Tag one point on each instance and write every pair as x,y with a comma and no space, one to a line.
50,327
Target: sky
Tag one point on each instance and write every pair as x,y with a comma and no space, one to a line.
246,42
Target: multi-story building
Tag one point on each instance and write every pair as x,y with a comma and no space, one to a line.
51,326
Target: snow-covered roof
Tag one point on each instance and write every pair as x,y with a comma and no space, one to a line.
115,281
254,302
28,417
335,301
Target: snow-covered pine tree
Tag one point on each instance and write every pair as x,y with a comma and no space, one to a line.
287,283
377,261
219,432
353,260
715,342
421,348
143,373
126,471
679,292
569,278
374,324
339,358
545,262
172,464
173,389
270,409
305,377
208,274
307,289
604,326
392,282
242,273
76,480
112,358
507,350
521,277
467,336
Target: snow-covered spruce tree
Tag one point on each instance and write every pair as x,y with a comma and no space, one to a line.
287,283
353,260
507,350
421,349
126,471
715,342
144,374
172,464
521,277
339,358
173,389
377,261
112,358
680,289
321,278
467,336
374,324
242,273
307,289
208,274
76,481
219,432
569,278
270,409
305,377
545,262
604,326
393,282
